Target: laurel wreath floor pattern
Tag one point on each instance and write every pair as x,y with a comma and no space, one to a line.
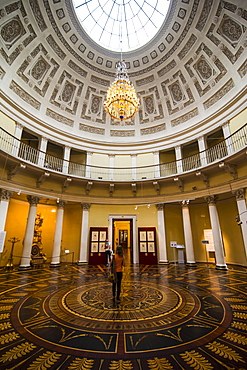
169,317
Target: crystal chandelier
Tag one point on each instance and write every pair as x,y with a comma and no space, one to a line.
121,100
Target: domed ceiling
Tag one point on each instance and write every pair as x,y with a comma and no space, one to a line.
190,78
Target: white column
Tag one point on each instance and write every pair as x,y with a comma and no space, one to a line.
190,257
162,250
83,257
133,164
112,164
4,204
18,133
55,260
156,164
217,238
42,147
88,164
135,243
66,157
242,214
178,154
28,239
227,133
202,145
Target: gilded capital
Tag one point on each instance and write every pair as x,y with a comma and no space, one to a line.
85,206
239,194
6,194
33,200
160,206
211,199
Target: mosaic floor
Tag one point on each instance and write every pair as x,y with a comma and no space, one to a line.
169,317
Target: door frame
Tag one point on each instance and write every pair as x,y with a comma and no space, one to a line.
114,217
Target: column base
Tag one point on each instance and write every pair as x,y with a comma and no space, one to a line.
56,264
163,262
24,268
191,264
80,263
221,267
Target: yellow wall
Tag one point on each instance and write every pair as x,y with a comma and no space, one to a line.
174,229
231,232
146,217
71,231
7,124
145,160
238,121
100,160
16,227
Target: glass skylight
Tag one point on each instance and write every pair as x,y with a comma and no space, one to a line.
121,25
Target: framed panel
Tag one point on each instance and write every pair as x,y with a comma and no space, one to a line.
94,247
102,247
102,235
143,236
143,247
150,236
151,247
95,236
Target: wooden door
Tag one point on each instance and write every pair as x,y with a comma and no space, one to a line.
147,245
97,255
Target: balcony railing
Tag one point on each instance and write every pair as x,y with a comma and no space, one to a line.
18,149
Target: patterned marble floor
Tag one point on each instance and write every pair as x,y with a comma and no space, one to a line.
169,317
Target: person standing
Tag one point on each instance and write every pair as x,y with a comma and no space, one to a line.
118,261
108,252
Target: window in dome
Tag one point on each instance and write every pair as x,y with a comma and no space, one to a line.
121,25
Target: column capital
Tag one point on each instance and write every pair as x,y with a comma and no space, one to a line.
44,139
19,125
185,203
211,199
85,206
33,200
160,206
61,204
226,124
239,194
6,194
201,138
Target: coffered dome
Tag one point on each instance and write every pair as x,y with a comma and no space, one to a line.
190,78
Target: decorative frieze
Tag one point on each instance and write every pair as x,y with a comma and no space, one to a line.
219,94
29,99
77,69
91,129
186,117
207,6
145,81
100,81
59,118
122,133
243,69
55,47
34,5
153,130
